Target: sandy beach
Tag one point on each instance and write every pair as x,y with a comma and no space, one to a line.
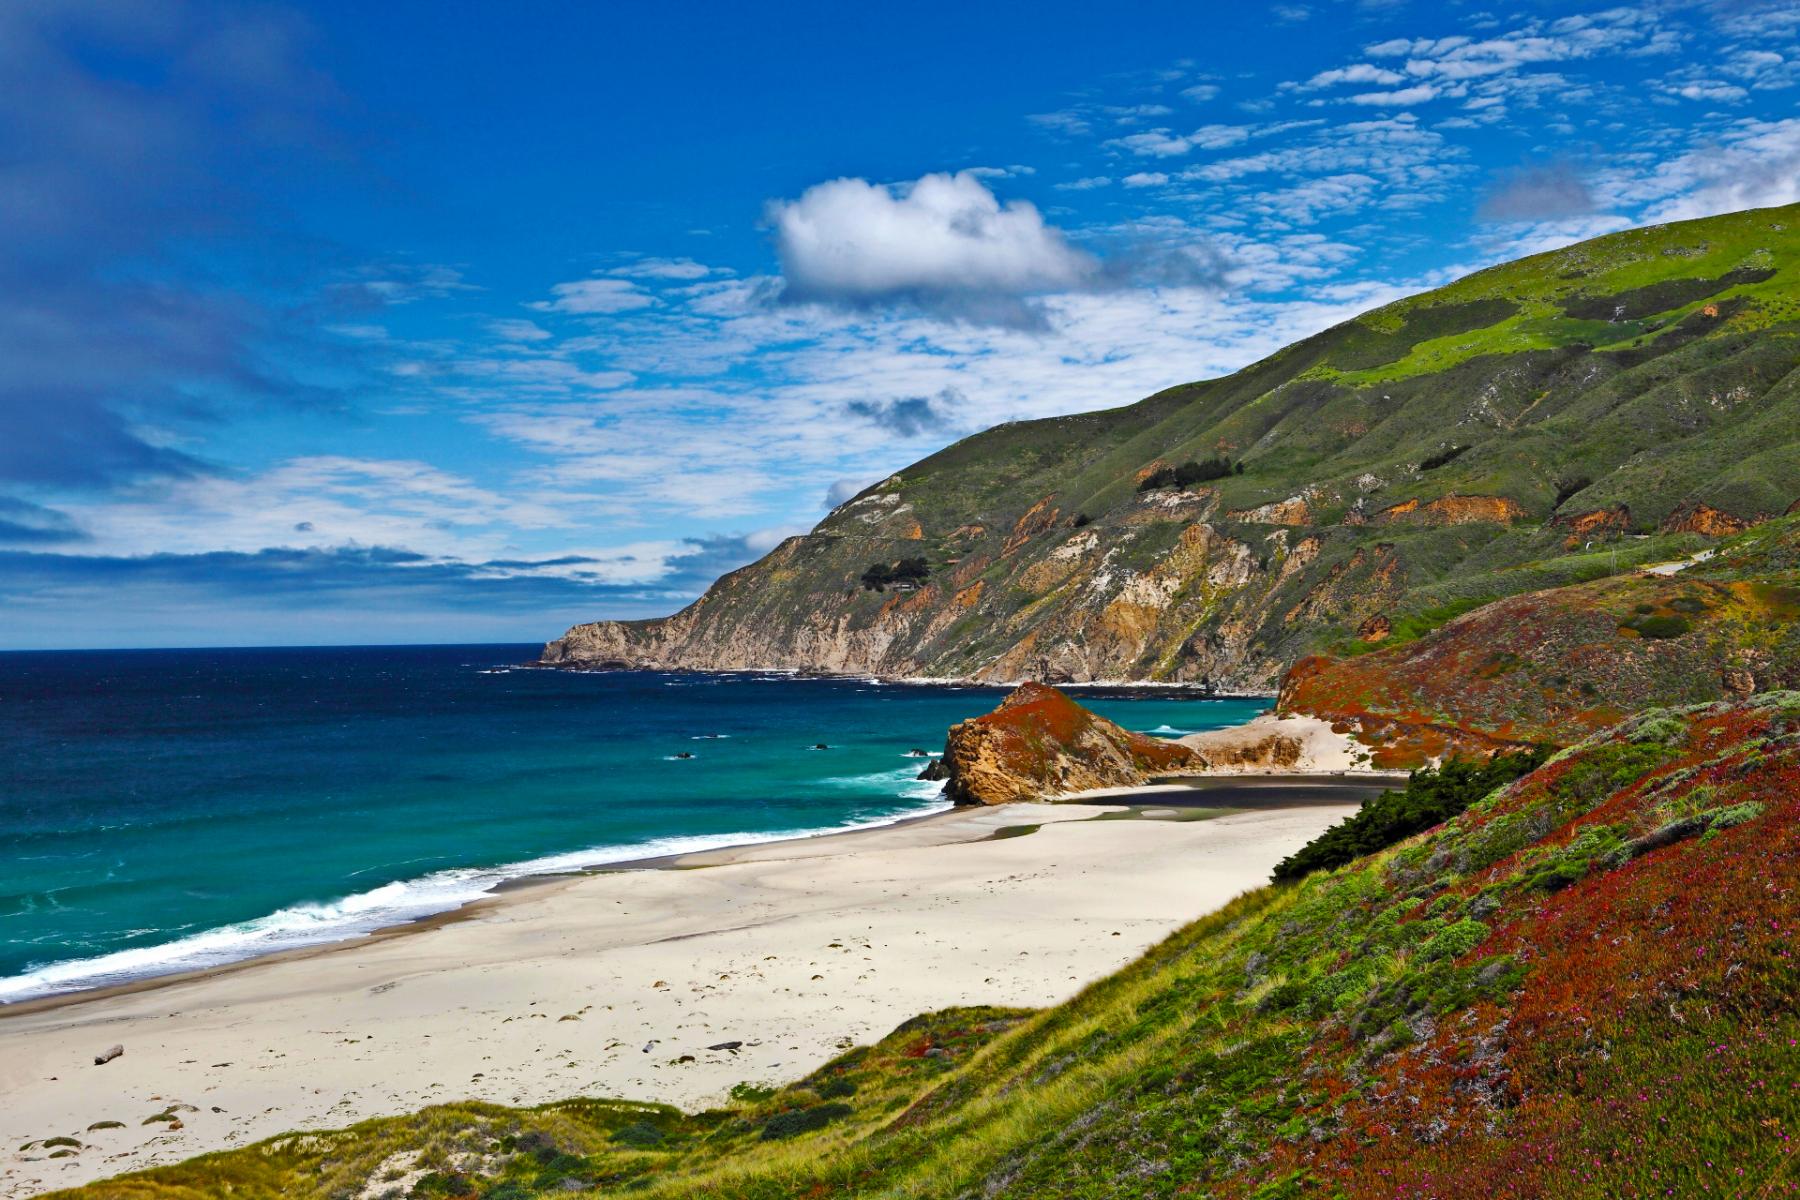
616,983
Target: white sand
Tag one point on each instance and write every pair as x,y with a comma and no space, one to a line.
1322,749
796,948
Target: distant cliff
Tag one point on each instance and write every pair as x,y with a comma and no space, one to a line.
1533,425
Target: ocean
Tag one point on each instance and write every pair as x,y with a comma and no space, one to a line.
166,810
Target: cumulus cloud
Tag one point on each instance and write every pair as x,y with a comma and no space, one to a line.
1551,192
944,244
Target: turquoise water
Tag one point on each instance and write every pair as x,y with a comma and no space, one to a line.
167,810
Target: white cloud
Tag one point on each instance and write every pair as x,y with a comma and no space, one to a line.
326,500
1710,90
1309,201
592,297
666,268
1355,73
1419,93
1067,122
514,329
1200,93
1753,164
1085,184
1145,179
1132,113
942,241
1160,143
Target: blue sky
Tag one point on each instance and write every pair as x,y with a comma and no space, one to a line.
412,322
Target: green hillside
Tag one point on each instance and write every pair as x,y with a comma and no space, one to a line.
1547,421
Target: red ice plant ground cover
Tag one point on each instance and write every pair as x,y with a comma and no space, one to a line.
1654,1046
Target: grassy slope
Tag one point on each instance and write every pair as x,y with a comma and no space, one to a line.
1667,407
1583,986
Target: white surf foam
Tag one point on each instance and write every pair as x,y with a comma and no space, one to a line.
363,913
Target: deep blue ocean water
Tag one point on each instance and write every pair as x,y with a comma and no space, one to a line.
166,810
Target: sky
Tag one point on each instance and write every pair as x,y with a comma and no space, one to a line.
347,323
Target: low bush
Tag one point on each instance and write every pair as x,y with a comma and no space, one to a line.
803,1120
1443,458
1190,473
1432,796
881,576
1658,627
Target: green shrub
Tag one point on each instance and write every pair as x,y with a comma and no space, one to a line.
880,576
1442,458
638,1133
803,1120
1659,627
441,1183
1659,728
1431,797
1190,473
1454,941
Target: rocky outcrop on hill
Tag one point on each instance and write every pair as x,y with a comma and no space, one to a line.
1039,744
1705,520
1050,554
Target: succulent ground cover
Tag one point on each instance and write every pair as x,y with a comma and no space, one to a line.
1584,985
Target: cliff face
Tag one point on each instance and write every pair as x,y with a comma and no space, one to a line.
1489,438
1039,743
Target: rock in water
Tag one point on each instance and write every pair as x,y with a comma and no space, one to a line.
1039,743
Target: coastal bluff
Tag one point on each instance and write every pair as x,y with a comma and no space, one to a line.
1039,743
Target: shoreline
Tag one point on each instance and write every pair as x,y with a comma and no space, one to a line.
795,948
505,883
1199,691
429,921
1166,790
